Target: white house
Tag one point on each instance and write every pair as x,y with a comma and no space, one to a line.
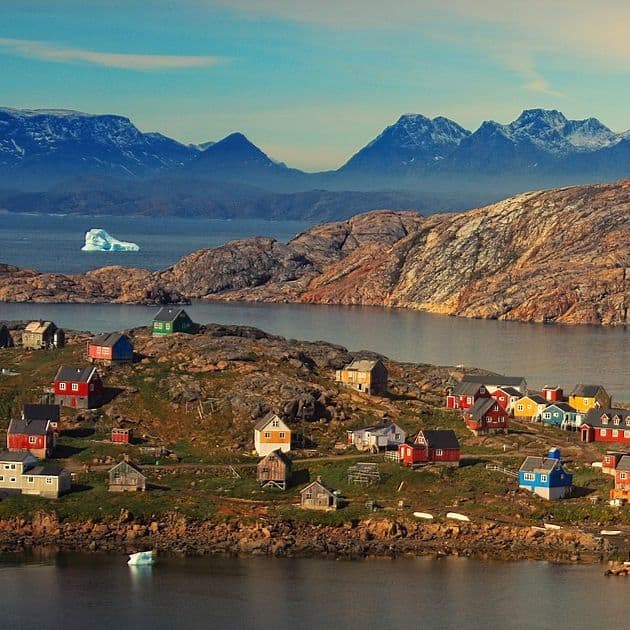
384,435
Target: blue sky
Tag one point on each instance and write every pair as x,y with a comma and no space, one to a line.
311,82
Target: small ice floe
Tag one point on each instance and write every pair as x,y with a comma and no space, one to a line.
98,240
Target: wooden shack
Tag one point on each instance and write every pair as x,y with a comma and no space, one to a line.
41,335
318,496
126,476
274,470
6,341
363,375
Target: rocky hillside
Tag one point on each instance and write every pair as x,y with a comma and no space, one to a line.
554,256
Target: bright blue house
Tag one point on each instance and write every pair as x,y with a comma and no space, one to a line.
562,415
545,476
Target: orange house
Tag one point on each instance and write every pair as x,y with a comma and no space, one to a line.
271,433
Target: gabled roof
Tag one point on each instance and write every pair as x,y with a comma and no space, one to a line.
36,411
263,422
543,464
362,365
318,482
17,426
108,340
75,373
511,391
47,470
566,407
493,379
623,463
130,464
537,398
385,426
38,326
594,416
586,391
169,314
466,389
481,407
17,456
440,438
277,454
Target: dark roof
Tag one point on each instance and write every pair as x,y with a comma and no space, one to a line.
279,454
47,469
588,391
169,314
537,398
108,340
466,389
623,463
441,438
15,456
41,412
493,379
511,391
17,426
562,405
319,482
533,463
481,407
75,373
594,416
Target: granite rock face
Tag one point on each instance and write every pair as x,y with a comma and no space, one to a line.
553,256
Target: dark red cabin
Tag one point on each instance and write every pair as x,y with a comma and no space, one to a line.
486,416
439,446
464,395
78,387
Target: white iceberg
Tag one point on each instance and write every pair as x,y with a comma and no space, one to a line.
98,240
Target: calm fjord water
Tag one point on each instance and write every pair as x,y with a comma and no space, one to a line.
99,592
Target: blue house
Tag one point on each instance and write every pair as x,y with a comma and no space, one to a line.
545,476
561,415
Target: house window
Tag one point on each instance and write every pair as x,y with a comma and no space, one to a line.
397,436
622,475
616,420
75,387
62,387
308,495
604,420
1,477
615,433
439,452
469,400
543,478
547,415
626,434
281,435
496,408
32,439
628,420
12,466
275,423
529,476
602,432
267,434
7,467
12,479
30,479
520,407
49,480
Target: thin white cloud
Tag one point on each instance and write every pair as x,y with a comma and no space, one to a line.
46,51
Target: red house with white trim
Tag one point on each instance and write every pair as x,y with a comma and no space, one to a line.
435,446
464,395
78,387
606,425
35,436
486,416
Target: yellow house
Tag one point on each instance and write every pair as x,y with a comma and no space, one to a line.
271,433
529,407
586,397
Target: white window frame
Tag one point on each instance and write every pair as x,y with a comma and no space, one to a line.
30,479
281,436
12,479
49,481
62,387
622,475
75,387
602,432
32,439
439,452
615,433
544,478
267,434
520,407
529,476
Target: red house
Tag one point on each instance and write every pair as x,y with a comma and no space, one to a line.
437,446
464,395
606,425
78,387
610,461
486,416
506,397
110,348
552,393
121,436
35,436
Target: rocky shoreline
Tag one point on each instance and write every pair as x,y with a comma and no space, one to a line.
378,537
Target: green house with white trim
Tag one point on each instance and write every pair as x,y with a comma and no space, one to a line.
170,320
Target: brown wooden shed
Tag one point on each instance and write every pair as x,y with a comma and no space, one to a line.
318,496
274,470
126,476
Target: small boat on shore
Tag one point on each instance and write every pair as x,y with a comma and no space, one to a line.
424,515
142,558
457,517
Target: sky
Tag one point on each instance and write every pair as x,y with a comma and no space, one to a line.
310,82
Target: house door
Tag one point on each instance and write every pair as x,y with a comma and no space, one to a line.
74,401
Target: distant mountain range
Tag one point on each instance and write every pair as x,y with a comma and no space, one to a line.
66,161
